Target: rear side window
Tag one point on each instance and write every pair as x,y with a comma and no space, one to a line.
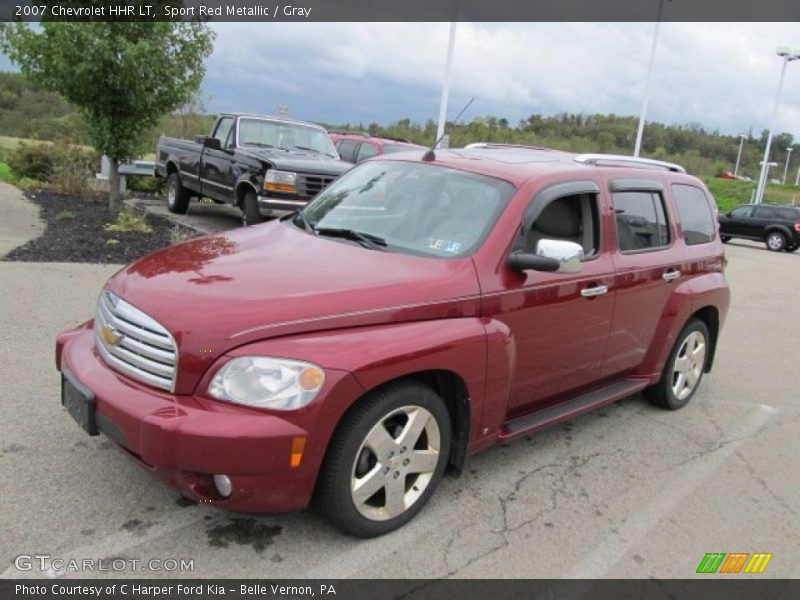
766,212
695,213
790,214
641,221
366,151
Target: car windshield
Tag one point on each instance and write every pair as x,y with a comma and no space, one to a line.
267,133
411,208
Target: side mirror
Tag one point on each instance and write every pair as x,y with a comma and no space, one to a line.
551,255
209,142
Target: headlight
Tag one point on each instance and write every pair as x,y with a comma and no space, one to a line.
266,382
280,181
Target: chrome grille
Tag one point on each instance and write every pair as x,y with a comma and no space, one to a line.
133,343
309,184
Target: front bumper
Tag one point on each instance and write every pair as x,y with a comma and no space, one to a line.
184,440
269,204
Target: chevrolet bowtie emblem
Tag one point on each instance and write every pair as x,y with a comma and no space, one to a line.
110,335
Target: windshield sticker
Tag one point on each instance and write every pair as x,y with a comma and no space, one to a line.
445,246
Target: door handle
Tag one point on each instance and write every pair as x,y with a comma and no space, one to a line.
671,275
592,292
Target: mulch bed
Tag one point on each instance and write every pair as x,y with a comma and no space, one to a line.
82,237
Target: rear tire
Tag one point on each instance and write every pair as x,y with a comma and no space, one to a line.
250,213
178,197
385,460
684,369
776,241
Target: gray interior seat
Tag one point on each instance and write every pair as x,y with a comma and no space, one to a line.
560,220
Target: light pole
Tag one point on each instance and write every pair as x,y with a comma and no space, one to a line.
797,179
787,56
446,83
739,155
786,168
643,114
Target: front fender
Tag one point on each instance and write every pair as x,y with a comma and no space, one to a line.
378,354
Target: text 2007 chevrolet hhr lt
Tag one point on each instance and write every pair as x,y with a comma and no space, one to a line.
421,308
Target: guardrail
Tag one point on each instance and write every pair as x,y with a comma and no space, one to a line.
132,168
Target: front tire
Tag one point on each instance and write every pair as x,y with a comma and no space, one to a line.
178,197
776,241
250,213
385,460
684,369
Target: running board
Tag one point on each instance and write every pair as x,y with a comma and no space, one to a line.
571,408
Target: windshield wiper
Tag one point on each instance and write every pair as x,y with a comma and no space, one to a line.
314,150
373,242
301,216
259,144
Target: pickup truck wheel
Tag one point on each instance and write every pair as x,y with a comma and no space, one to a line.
684,369
385,460
776,241
177,196
250,213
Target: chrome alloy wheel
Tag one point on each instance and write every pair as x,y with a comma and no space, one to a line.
775,241
689,364
395,463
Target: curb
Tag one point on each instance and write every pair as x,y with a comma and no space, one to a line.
136,205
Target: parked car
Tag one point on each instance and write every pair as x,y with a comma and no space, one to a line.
415,312
355,146
778,226
259,164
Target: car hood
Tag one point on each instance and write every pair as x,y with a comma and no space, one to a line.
300,160
218,292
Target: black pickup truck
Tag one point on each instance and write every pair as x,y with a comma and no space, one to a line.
257,163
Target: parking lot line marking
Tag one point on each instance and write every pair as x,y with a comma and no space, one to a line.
116,544
609,553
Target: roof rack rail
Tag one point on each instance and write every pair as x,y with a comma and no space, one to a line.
345,132
502,145
394,139
593,159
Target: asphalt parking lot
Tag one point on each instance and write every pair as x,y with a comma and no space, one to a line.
629,491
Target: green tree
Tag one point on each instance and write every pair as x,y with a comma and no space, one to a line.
123,76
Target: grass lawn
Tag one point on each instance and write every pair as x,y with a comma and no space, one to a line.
730,193
6,174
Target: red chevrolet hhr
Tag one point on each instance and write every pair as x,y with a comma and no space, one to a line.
417,311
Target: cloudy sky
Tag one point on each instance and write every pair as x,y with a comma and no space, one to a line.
721,75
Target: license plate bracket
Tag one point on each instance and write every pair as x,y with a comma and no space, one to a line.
79,402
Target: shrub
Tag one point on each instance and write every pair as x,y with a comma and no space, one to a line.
32,160
129,221
147,185
64,166
70,170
